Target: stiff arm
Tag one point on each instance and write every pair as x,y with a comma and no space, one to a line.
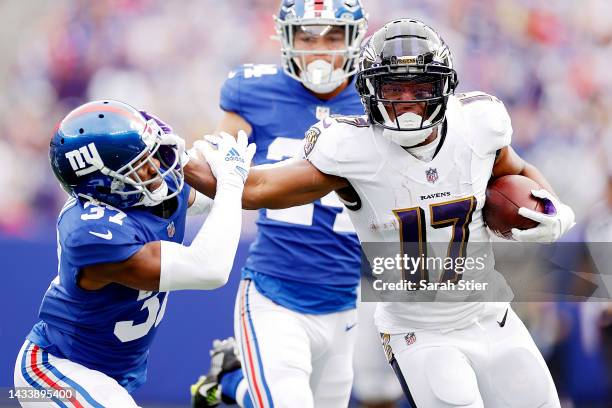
281,185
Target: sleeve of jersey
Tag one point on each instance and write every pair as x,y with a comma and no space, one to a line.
95,244
490,126
230,92
321,147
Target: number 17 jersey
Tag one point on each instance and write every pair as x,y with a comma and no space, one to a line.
406,200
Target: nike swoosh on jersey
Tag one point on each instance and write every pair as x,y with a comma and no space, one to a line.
349,327
503,322
107,236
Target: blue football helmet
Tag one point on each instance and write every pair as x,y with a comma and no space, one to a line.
318,17
99,147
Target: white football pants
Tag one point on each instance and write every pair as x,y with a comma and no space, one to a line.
38,370
492,363
290,359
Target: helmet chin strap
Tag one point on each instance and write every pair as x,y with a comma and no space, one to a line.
153,198
321,77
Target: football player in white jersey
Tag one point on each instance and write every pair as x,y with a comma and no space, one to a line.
418,165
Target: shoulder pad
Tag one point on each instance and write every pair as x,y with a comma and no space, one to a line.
467,98
326,143
251,71
335,128
95,236
488,122
99,233
353,120
243,82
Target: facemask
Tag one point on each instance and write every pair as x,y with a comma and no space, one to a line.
321,77
154,197
408,138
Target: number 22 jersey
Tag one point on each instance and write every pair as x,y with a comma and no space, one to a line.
305,258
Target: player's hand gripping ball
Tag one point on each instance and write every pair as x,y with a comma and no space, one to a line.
518,208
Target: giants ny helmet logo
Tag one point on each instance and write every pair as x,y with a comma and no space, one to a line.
80,159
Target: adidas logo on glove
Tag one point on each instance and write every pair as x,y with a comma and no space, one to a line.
233,155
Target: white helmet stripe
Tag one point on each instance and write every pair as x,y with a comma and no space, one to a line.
319,9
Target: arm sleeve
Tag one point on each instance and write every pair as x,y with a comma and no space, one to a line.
207,262
100,243
491,128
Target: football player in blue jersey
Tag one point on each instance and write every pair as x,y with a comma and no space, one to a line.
295,310
119,251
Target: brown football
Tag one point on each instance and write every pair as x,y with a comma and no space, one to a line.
505,195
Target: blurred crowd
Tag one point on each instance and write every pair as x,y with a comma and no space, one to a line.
548,62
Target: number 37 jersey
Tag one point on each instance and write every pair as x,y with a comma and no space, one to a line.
110,329
404,199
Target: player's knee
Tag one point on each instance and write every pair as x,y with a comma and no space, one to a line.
520,380
451,378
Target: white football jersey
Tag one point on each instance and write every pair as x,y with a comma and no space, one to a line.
405,199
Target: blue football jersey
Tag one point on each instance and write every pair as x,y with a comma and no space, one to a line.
109,329
306,258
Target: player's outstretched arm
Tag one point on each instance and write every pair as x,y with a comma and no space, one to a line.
207,262
557,219
285,184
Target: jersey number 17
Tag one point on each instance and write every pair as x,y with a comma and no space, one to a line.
456,214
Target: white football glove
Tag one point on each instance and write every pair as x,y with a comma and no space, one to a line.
228,158
557,219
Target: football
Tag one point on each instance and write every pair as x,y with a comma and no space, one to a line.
505,195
